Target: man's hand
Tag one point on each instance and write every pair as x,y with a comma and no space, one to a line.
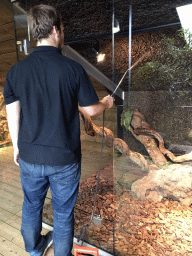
16,156
109,100
100,106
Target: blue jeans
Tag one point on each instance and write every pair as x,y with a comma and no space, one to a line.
64,185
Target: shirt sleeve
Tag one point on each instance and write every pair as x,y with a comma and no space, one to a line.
8,93
86,94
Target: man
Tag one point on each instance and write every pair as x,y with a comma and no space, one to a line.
42,93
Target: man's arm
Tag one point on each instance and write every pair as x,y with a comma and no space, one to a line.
13,117
100,106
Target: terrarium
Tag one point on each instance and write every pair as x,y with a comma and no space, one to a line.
143,192
135,191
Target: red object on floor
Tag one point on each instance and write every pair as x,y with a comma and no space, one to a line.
83,251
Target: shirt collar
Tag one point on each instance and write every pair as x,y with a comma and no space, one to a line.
45,48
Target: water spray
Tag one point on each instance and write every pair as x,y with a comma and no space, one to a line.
134,65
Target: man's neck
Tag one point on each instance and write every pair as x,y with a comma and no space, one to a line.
45,42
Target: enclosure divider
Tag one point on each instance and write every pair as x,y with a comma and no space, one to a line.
130,37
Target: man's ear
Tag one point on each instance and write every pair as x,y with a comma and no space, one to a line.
55,30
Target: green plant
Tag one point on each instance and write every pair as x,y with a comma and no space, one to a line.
173,69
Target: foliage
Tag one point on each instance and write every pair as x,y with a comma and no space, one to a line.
173,69
126,117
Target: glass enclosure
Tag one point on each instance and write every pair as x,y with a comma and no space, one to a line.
152,177
24,42
143,203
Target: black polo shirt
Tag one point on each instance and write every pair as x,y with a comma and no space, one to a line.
49,87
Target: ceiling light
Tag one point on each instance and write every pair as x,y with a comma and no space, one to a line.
100,57
96,47
116,27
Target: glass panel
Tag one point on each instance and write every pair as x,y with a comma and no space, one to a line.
8,57
22,33
100,231
152,162
143,204
7,41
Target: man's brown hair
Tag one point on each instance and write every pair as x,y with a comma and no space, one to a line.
41,20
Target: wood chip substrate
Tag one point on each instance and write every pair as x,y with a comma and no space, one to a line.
145,228
131,226
100,236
